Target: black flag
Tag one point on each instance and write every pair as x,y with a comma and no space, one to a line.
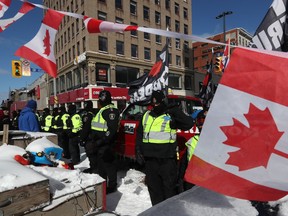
207,92
140,90
272,33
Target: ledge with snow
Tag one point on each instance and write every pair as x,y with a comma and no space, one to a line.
32,190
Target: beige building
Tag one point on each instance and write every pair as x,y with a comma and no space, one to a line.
114,59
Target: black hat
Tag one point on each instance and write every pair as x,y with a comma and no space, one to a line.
104,97
157,97
46,110
88,104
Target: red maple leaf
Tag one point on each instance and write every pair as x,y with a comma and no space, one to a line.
256,143
47,44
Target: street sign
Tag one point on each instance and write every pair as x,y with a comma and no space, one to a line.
26,70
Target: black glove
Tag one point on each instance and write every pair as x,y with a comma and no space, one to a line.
140,158
82,143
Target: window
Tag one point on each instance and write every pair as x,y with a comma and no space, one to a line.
77,25
103,44
176,8
167,4
102,74
178,60
185,29
187,62
146,36
147,53
157,17
146,13
119,20
119,47
186,46
169,58
177,26
174,81
134,33
168,21
157,2
126,75
69,81
134,51
133,8
187,82
158,39
77,77
185,13
102,15
177,43
62,83
102,1
158,53
84,44
118,4
78,48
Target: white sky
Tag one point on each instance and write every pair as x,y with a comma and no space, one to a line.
132,197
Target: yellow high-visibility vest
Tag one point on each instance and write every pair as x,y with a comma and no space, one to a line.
157,129
191,145
98,123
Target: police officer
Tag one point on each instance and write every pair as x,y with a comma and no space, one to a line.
54,127
156,146
74,123
104,128
46,120
87,116
63,139
191,145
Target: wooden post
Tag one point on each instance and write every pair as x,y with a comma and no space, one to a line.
5,133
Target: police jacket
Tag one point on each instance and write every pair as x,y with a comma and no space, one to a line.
104,125
161,145
86,128
74,122
47,123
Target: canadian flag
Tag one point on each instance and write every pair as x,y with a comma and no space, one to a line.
40,50
243,147
26,7
4,5
97,26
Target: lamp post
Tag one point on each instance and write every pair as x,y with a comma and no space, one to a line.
224,14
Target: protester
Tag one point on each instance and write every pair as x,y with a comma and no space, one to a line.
156,146
191,145
102,139
28,120
74,123
15,118
5,118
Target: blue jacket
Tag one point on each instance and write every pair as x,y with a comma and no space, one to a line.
28,120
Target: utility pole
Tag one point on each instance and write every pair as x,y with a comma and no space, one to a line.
224,14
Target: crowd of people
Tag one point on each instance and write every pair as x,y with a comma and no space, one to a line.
96,131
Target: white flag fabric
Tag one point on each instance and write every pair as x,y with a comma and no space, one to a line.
25,8
4,5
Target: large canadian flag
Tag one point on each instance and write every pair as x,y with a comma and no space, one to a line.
40,50
243,147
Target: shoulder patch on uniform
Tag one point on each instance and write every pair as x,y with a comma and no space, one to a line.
112,116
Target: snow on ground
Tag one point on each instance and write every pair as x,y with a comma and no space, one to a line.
132,197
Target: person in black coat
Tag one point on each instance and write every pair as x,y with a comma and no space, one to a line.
156,146
99,147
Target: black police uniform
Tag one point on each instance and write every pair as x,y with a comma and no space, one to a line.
161,159
101,143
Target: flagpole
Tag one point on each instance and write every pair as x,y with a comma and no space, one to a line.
55,93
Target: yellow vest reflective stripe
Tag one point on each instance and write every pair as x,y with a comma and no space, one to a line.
191,145
98,123
64,118
56,118
77,123
48,122
157,129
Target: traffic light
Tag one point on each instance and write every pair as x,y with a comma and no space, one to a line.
16,68
218,65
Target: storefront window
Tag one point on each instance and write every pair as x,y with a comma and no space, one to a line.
125,75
